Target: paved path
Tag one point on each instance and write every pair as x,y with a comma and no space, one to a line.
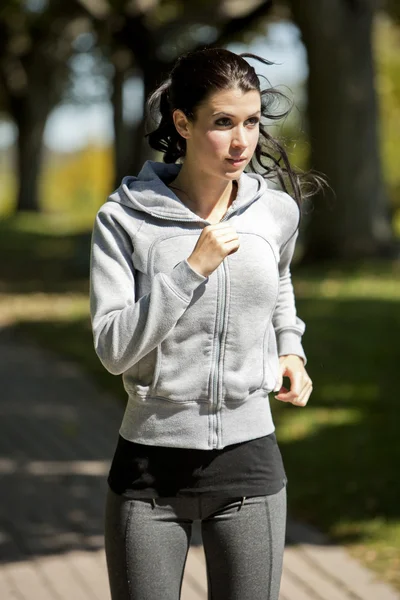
57,434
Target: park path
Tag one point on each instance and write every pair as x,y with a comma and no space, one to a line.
57,434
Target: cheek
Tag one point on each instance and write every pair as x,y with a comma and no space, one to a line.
218,141
253,138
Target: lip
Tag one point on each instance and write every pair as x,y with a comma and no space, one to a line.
237,161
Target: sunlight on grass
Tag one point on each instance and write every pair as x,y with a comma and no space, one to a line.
298,423
56,224
384,287
42,307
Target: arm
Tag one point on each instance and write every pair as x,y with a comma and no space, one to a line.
288,327
289,330
125,328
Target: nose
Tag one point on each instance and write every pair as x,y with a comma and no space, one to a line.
239,138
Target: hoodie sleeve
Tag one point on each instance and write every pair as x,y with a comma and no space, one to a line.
126,328
288,327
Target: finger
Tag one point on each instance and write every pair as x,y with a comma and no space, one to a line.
283,395
295,385
231,247
296,377
227,237
304,396
223,232
302,402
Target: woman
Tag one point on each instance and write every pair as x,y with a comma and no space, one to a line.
192,302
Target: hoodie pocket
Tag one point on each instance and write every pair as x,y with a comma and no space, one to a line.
175,371
243,365
182,368
139,378
183,359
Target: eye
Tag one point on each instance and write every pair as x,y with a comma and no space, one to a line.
253,121
223,122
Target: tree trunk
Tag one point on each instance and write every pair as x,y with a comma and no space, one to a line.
29,158
352,220
143,151
131,146
151,79
119,128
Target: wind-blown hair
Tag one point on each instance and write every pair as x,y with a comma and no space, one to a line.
198,74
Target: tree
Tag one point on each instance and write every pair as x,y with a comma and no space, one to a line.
36,44
353,219
34,50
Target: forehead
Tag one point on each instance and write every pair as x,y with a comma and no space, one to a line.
232,101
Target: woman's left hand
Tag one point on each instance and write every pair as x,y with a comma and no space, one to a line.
292,366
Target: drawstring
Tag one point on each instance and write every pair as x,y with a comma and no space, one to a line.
153,502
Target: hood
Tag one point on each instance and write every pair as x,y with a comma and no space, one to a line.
148,192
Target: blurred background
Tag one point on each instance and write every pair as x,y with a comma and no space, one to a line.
73,79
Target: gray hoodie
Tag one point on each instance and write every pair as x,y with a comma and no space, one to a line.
198,355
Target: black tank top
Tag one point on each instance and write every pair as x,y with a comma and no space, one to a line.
252,468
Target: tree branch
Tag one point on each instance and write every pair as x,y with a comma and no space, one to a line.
235,26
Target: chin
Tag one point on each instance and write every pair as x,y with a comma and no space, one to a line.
234,172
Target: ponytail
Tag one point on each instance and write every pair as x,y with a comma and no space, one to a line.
165,137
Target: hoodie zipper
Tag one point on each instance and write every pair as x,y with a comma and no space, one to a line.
216,400
220,334
216,389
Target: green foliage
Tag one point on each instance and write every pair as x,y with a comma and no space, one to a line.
72,186
387,57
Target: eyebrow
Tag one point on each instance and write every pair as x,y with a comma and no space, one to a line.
258,112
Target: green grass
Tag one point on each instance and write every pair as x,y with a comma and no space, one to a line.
44,287
341,452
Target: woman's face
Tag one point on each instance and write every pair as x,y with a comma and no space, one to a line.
224,134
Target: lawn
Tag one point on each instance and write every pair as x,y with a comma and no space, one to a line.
341,452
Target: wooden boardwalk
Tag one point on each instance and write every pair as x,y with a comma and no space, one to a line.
57,434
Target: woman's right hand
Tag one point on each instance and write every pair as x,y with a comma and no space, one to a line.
214,244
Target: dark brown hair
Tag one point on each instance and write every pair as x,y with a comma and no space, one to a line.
193,78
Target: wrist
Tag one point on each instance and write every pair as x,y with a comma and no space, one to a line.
195,266
295,356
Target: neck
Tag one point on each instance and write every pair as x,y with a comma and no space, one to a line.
203,194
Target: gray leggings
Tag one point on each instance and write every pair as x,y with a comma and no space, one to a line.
147,542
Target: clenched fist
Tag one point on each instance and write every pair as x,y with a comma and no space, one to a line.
214,244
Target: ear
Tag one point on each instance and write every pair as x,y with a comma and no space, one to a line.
181,123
